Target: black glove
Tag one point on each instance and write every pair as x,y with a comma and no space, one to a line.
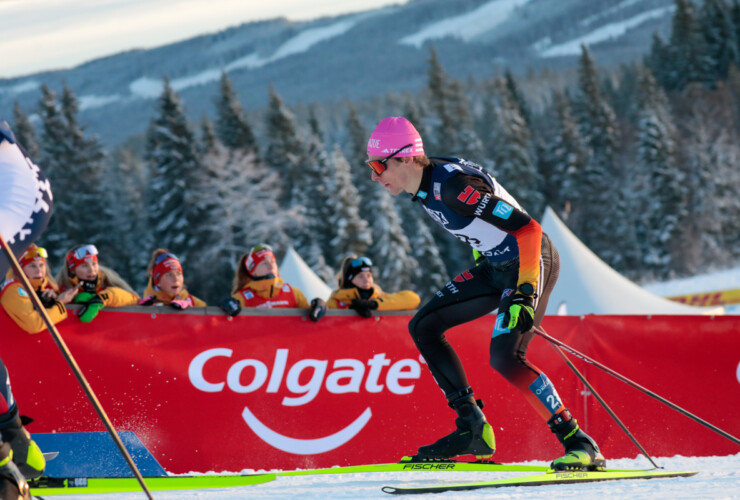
148,301
91,306
318,309
47,299
519,317
230,306
364,306
89,286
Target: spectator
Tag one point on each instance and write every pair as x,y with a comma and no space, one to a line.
17,303
98,285
166,284
357,290
258,284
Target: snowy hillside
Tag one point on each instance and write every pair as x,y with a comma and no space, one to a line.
472,38
719,477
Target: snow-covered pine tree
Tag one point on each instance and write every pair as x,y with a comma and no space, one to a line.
444,124
208,138
237,199
132,238
720,42
285,150
356,152
78,173
349,232
685,48
602,198
176,219
309,197
391,250
664,199
231,126
25,133
510,148
567,155
518,96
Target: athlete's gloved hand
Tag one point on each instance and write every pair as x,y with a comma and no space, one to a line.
520,315
230,306
149,300
179,304
318,309
364,306
91,306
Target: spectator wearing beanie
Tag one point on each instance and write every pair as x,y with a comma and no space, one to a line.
258,284
357,290
98,286
166,283
16,302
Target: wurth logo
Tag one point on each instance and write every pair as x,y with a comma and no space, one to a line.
469,196
464,276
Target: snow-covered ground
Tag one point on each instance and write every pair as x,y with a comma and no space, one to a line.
718,478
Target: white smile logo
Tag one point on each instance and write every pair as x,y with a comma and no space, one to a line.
346,376
305,446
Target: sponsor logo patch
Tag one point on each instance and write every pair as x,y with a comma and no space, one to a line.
469,196
503,210
437,191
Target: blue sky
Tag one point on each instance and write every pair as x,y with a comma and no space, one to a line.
38,35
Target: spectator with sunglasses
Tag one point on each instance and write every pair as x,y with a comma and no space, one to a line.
357,290
166,284
258,284
516,269
17,303
97,286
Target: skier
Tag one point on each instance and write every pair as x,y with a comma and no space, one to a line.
358,290
517,266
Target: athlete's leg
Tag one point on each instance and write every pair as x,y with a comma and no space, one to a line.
465,298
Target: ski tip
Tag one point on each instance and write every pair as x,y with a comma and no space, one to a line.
50,455
389,489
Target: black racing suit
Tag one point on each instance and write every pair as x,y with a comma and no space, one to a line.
470,204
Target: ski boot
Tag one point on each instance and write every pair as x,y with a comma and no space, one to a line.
473,436
581,451
26,453
13,485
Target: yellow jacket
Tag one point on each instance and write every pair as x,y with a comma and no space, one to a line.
112,296
16,302
399,301
270,293
166,298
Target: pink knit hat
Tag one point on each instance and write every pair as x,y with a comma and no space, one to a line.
393,133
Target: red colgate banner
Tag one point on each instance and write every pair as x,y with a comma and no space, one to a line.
205,392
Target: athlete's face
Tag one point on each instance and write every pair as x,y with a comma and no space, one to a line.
398,176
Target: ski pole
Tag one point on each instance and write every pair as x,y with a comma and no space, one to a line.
603,403
72,363
635,385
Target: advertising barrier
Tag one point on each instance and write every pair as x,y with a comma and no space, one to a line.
268,390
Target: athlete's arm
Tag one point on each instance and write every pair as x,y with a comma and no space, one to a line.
470,196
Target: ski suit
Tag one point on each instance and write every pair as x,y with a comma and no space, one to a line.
470,204
399,301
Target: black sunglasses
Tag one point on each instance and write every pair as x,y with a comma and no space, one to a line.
379,166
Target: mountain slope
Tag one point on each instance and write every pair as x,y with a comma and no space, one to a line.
351,56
